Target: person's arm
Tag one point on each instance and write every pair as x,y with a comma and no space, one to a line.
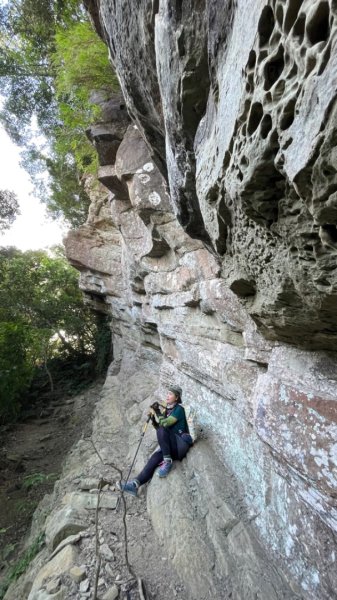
155,413
167,421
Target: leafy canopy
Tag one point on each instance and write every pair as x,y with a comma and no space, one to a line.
9,209
51,61
42,321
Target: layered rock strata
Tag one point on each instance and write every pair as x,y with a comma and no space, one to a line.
213,248
267,409
237,102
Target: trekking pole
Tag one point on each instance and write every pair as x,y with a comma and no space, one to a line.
140,441
135,456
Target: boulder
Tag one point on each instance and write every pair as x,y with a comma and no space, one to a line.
85,501
63,523
56,567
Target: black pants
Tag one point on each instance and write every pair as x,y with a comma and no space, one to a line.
170,445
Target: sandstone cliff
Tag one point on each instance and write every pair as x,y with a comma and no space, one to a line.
212,243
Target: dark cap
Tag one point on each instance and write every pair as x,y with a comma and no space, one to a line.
176,389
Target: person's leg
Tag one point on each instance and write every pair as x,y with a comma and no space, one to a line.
168,445
146,474
167,442
168,452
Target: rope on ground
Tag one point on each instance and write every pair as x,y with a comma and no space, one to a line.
126,552
97,549
141,589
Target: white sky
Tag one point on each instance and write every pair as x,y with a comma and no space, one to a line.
32,230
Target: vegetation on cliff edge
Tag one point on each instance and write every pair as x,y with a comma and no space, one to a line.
51,61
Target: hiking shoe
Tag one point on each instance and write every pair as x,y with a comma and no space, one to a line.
165,468
130,487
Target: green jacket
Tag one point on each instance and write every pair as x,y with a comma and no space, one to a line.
176,420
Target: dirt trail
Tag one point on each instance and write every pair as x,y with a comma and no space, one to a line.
31,456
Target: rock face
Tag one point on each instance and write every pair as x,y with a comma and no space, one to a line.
212,243
237,102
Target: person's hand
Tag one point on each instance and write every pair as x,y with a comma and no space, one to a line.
152,417
156,408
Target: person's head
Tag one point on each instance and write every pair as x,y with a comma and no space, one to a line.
174,394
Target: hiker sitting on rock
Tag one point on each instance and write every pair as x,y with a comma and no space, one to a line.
173,438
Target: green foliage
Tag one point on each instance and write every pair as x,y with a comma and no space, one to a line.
81,65
7,550
44,325
102,344
67,198
9,209
26,78
51,61
36,479
21,566
25,506
15,371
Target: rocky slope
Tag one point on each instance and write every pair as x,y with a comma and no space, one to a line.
212,244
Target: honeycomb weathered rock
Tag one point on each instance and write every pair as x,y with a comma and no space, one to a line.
233,105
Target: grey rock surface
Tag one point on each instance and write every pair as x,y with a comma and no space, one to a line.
67,521
236,103
111,594
213,248
268,409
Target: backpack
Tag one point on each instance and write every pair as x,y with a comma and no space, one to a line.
194,428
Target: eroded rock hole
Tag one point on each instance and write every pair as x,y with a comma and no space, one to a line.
318,24
243,287
329,171
276,38
213,194
329,233
279,15
266,25
299,28
288,114
255,116
279,89
246,108
273,69
251,60
266,126
291,14
287,143
293,71
262,55
224,222
310,64
325,60
261,195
